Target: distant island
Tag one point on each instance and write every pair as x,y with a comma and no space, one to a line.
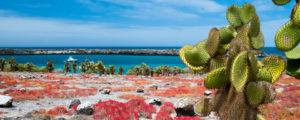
158,52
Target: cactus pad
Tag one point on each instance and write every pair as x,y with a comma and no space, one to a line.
254,26
233,16
293,68
269,91
258,42
287,37
183,58
217,62
242,34
281,2
247,11
226,35
254,94
253,63
239,71
264,75
200,108
294,53
295,15
276,65
213,41
216,79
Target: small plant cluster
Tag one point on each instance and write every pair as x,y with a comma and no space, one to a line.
145,70
12,65
288,37
131,110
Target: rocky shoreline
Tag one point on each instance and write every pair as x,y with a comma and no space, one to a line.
159,52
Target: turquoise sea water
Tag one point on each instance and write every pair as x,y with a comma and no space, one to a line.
125,61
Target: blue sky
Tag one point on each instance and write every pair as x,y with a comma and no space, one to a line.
37,23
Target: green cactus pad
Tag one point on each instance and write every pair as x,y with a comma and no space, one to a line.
295,15
281,2
226,35
253,63
217,62
216,78
258,42
269,91
293,68
259,117
239,71
202,45
264,75
247,12
233,16
223,48
201,108
213,41
294,53
231,28
254,94
276,65
182,52
254,26
287,37
242,34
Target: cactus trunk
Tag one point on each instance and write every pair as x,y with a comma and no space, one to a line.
232,105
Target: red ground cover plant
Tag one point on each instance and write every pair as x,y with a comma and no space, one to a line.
59,110
112,110
131,96
24,95
163,116
141,107
124,89
132,110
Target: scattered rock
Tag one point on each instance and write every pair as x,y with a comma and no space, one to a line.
6,101
107,83
140,90
81,117
42,117
207,93
36,115
61,118
22,89
154,101
185,107
154,87
74,102
106,91
279,90
85,108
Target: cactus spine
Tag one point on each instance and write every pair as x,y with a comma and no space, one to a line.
243,81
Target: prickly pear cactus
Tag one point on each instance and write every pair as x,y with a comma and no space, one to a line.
288,37
243,82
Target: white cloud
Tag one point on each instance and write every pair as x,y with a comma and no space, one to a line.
161,9
18,31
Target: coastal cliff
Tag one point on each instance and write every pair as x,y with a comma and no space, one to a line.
160,52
